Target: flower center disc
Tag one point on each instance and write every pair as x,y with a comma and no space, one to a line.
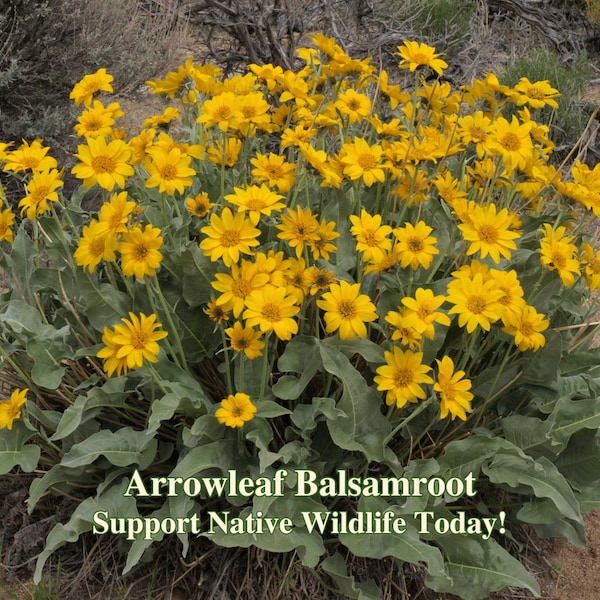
230,238
103,164
476,304
271,312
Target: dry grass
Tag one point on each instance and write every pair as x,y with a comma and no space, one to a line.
130,40
48,47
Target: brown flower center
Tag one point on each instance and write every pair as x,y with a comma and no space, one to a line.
141,251
415,245
248,111
353,104
274,171
594,266
347,309
424,312
93,124
255,204
241,343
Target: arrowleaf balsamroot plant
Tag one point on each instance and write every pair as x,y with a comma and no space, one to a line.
315,270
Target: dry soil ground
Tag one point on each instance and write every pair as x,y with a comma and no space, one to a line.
572,573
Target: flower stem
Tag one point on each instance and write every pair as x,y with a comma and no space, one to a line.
156,378
408,419
265,369
155,288
227,361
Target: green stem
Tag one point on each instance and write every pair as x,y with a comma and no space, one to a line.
227,361
378,194
328,385
493,394
242,360
222,179
566,295
176,207
36,235
157,379
265,367
63,241
467,353
155,287
166,219
26,379
408,419
46,440
116,267
536,287
442,257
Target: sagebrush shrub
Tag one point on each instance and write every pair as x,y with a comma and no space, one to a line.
45,47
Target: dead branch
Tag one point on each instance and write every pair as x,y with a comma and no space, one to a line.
547,20
269,32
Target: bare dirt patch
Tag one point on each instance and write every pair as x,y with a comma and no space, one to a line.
573,573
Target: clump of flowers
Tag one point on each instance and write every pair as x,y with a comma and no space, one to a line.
330,268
